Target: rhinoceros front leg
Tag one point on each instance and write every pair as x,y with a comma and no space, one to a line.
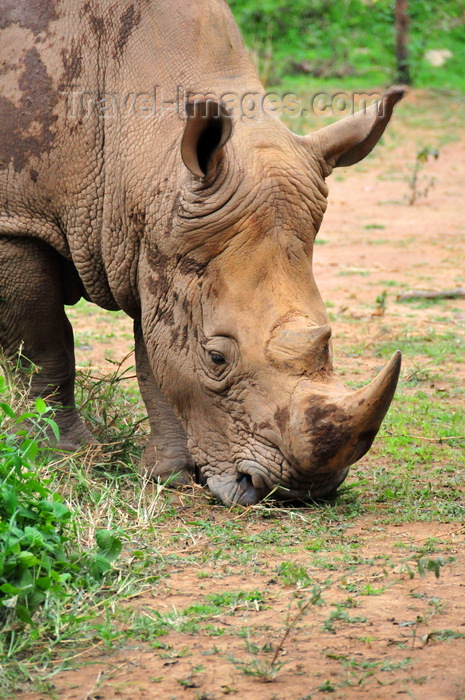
32,316
166,453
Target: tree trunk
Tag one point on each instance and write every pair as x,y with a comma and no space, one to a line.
401,24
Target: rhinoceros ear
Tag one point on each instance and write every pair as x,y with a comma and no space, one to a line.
208,127
352,138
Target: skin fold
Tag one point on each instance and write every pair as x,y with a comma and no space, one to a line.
199,223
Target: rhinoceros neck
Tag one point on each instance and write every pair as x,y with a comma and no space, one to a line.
87,149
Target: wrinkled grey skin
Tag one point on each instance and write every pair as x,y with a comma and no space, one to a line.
203,234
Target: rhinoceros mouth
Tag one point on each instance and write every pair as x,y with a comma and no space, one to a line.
317,485
251,483
253,479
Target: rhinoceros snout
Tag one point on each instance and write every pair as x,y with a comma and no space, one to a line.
331,428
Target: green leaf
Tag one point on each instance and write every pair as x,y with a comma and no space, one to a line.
7,410
109,545
55,429
41,406
24,416
34,536
10,501
43,582
60,511
24,615
35,598
27,559
98,566
9,589
29,448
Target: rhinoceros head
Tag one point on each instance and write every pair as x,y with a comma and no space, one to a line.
239,338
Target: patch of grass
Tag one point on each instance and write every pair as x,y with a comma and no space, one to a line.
234,599
348,273
434,345
342,616
345,41
377,241
391,283
293,575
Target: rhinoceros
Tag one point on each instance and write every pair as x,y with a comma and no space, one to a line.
197,221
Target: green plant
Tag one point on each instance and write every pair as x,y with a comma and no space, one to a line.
327,687
343,616
426,564
267,670
36,557
381,303
415,180
293,575
33,521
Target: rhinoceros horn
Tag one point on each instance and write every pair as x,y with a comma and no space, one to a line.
350,139
331,428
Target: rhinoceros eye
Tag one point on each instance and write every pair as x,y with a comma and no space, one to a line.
217,358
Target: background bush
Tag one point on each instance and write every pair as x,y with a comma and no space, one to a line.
355,37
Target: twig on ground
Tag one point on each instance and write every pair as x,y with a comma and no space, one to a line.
432,294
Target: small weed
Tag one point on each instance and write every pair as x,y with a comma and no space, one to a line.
368,589
293,575
341,615
268,670
415,180
442,636
426,564
381,303
263,670
327,687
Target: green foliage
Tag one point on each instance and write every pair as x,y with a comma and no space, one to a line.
263,670
428,564
340,38
36,557
293,575
342,616
111,410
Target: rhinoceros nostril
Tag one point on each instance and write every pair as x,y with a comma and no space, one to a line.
246,493
245,479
